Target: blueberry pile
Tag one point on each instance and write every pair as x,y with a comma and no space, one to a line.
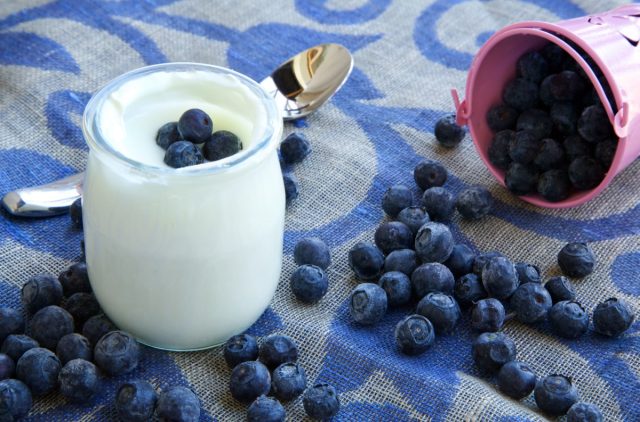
309,282
271,368
180,140
294,148
552,135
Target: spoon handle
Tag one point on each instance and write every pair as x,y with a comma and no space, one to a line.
45,200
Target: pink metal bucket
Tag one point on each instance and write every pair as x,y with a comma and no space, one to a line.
610,39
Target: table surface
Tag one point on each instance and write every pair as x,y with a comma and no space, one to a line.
408,54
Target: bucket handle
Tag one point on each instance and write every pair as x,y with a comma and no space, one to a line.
462,111
621,119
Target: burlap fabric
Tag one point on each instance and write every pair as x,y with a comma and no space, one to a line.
54,54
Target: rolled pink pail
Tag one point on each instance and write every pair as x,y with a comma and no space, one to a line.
610,39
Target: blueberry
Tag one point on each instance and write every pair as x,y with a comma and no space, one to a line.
294,148
183,154
366,261
312,251
277,349
531,302
487,315
74,346
117,353
560,288
532,66
612,317
249,380
195,126
499,149
178,404
397,286
550,155
574,147
589,97
240,348
79,381
290,187
474,202
555,394
40,291
441,310
321,402
75,279
576,260
309,283
414,335
564,116
75,213
221,144
15,399
414,218
288,381
448,133
564,86
393,235
584,412
527,273
167,134
82,306
585,173
432,277
555,56
516,379
502,117
605,151
520,94
429,173
521,179
554,185
136,401
39,368
395,199
403,260
96,327
434,242
499,277
468,289
536,122
439,203
266,409
492,350
49,325
481,260
524,147
460,262
569,319
368,303
7,368
594,125
11,322
16,344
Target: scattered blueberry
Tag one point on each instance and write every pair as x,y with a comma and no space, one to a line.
309,283
194,126
521,179
221,144
432,277
414,218
288,381
531,302
15,399
535,123
368,303
294,148
397,286
520,94
136,401
414,335
585,173
312,251
502,117
499,277
560,288
49,325
7,369
75,279
564,116
550,155
75,213
574,147
524,147
167,134
576,260
321,401
499,148
516,379
569,319
96,327
492,350
532,66
277,349
481,260
605,151
395,199
554,185
527,273
117,353
468,289
366,261
393,235
461,259
183,154
403,260
584,412
249,380
594,125
441,310
429,173
433,242
38,368
439,203
487,315
612,317
79,380
290,187
474,202
74,346
266,409
82,306
240,348
40,291
11,322
178,404
448,133
16,344
555,394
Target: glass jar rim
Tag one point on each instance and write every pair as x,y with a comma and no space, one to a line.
258,150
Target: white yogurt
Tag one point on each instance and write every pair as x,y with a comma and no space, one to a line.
182,258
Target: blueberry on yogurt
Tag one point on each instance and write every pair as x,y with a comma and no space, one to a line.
221,144
167,134
195,126
183,154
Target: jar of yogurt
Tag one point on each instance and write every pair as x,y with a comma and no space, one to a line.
182,258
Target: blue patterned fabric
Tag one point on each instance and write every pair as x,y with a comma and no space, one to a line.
55,54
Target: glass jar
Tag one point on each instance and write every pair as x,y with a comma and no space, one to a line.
182,258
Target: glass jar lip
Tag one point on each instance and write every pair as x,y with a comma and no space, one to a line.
257,151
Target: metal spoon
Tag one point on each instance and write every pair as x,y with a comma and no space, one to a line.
300,85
